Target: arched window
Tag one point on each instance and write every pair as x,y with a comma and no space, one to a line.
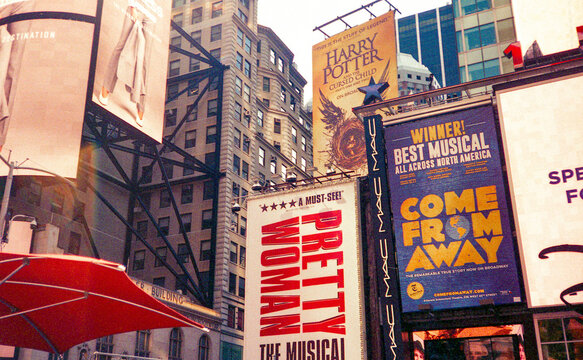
204,348
175,345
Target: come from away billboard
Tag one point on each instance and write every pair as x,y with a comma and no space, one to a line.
451,221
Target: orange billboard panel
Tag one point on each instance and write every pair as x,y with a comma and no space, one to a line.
341,65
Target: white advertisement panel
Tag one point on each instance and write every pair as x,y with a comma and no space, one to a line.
304,297
554,28
542,130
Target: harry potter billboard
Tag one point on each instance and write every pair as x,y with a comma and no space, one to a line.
451,221
342,64
304,297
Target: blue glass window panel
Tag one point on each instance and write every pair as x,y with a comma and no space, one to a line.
468,6
456,11
488,34
476,71
472,37
449,46
460,41
483,4
491,68
408,36
429,37
462,74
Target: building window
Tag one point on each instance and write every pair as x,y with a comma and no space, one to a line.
174,68
246,144
237,138
177,3
216,31
205,250
210,160
292,103
217,9
280,64
277,126
240,318
142,343
182,253
178,19
294,156
142,229
192,112
242,288
247,68
168,169
170,117
236,164
261,157
245,170
265,102
164,225
246,93
266,84
196,16
186,221
245,3
164,198
480,36
207,219
192,87
234,254
260,117
233,283
208,190
204,348
273,165
561,338
194,65
139,260
211,134
243,226
161,258
247,45
104,345
283,94
231,313
190,139
196,35
242,256
186,194
238,86
212,107
243,16
272,56
239,61
159,281
303,164
240,37
188,168
294,133
176,41
283,171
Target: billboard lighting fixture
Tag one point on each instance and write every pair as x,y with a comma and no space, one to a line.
330,171
235,207
256,186
425,307
487,302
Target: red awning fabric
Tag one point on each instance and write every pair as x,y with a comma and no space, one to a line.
53,302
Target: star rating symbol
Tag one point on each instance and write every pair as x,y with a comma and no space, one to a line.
282,205
292,203
273,206
372,91
263,208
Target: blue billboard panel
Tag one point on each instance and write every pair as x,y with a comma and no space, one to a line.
451,220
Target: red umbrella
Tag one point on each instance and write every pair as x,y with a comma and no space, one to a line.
53,302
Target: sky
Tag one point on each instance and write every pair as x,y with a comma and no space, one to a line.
294,21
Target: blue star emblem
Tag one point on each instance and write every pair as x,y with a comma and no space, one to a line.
372,91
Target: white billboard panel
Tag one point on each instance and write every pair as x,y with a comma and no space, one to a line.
304,291
552,26
542,132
